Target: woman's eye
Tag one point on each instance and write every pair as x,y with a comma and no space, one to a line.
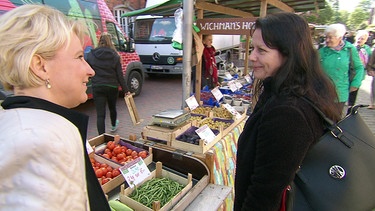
80,57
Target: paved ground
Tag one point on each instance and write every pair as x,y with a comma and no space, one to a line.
163,93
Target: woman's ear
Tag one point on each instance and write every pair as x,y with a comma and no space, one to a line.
37,67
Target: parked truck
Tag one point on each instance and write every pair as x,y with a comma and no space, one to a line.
99,19
153,40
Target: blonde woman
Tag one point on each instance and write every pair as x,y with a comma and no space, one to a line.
43,153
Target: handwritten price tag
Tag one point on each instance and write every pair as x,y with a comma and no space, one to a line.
205,133
192,102
217,94
233,111
228,75
232,86
135,172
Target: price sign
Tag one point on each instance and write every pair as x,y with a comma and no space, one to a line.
248,78
233,111
238,85
135,172
228,75
192,102
217,94
232,86
205,133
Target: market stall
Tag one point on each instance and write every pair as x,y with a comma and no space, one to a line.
173,140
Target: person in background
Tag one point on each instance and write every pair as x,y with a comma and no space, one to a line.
108,76
282,126
364,52
43,142
371,72
209,68
335,60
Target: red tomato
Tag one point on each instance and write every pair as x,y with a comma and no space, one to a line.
129,152
109,174
109,169
109,154
117,150
99,173
92,160
105,181
111,146
115,173
142,154
104,169
120,156
107,150
124,148
103,165
97,164
106,156
134,153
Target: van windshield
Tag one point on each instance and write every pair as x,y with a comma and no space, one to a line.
159,30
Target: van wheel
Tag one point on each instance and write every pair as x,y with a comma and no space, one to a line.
134,83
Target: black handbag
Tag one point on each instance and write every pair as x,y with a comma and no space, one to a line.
338,173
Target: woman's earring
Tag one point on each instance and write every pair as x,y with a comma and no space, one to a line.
48,85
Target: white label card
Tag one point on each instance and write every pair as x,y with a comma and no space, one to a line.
238,85
192,102
89,148
233,111
232,86
135,172
205,133
228,75
217,94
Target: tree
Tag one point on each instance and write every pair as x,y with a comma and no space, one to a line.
358,19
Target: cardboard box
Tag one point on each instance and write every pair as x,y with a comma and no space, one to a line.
158,173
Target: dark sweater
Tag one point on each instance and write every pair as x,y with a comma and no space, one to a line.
107,66
272,145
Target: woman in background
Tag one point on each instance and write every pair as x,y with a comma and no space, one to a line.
371,72
42,141
108,76
364,52
282,126
335,59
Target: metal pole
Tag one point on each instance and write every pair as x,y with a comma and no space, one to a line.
188,10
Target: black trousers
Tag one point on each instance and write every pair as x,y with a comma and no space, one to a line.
352,98
103,95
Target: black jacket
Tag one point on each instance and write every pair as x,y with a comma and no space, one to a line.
107,66
96,196
273,143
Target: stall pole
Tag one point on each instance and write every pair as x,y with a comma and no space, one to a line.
187,27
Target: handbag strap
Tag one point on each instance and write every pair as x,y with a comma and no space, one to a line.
334,128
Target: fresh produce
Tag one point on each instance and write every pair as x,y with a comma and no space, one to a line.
221,112
214,124
103,171
118,206
121,154
156,189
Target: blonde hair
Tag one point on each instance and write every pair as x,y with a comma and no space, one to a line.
337,29
32,30
106,41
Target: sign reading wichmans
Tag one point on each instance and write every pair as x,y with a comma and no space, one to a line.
231,26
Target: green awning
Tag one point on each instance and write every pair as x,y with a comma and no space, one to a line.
168,7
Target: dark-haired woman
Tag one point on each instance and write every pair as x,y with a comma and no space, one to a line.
283,126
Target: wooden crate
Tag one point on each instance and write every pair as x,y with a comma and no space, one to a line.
158,173
162,134
99,143
201,148
113,183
